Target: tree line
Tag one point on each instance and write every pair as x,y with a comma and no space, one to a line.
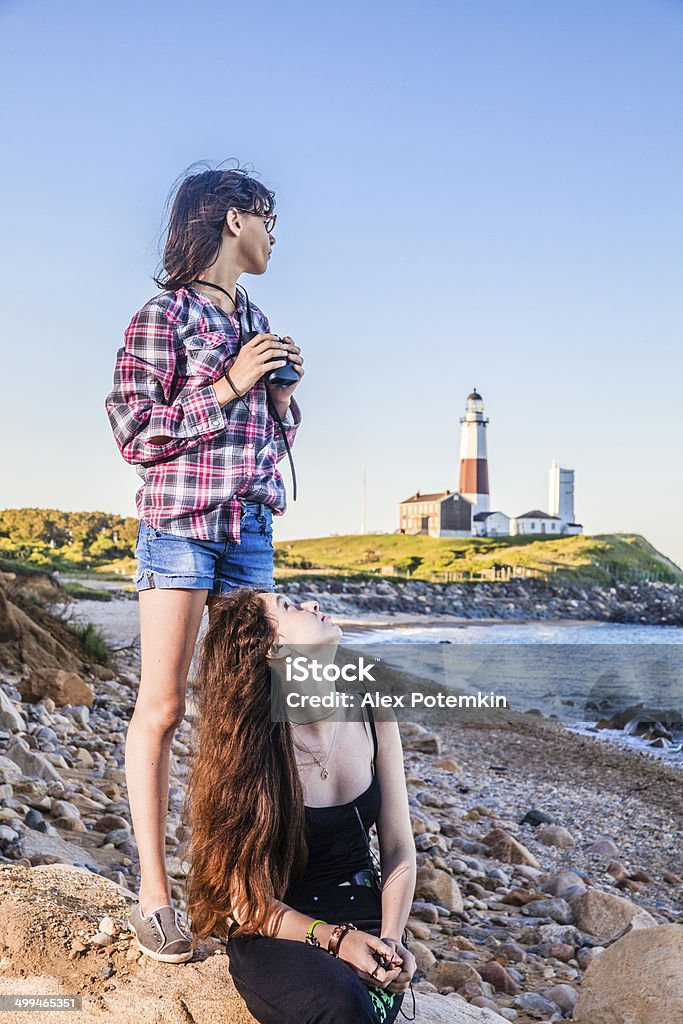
44,534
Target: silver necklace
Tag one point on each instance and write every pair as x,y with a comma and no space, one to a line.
324,774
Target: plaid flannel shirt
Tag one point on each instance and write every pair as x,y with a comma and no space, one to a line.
196,458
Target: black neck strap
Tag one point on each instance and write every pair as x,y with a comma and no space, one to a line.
269,397
211,284
246,299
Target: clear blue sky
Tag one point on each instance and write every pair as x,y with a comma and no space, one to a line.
468,194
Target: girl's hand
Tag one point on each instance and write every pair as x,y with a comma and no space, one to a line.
408,969
263,353
282,395
356,949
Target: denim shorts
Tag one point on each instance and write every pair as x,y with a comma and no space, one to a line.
169,561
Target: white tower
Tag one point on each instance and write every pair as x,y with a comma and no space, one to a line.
561,493
474,470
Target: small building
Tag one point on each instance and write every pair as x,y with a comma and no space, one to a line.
490,524
442,514
536,522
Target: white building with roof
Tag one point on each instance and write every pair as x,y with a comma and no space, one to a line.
535,522
490,524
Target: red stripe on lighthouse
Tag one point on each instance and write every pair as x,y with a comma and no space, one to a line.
474,476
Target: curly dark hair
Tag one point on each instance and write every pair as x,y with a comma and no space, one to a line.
244,802
195,225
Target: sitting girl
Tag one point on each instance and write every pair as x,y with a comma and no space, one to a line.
280,801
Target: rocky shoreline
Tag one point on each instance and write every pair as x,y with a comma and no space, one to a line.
537,852
545,859
528,600
521,600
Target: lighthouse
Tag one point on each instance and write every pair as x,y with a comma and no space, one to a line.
474,470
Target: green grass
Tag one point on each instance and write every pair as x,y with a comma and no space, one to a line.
584,560
20,567
94,643
57,562
78,590
580,560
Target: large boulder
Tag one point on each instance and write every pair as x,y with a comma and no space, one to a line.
49,916
438,886
31,762
606,917
424,958
505,847
555,835
452,973
40,587
563,884
39,848
60,686
427,744
9,770
638,980
10,717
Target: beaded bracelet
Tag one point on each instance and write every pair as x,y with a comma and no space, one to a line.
310,937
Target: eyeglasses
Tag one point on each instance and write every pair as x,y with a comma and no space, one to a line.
269,222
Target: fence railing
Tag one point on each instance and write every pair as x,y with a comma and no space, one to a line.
556,575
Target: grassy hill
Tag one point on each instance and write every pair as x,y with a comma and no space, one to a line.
598,558
74,542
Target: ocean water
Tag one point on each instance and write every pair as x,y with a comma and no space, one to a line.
566,632
553,667
574,672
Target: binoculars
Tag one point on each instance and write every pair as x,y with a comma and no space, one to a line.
281,376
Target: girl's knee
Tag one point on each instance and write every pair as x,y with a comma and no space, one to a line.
347,1003
160,716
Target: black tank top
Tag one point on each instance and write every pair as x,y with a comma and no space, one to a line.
337,847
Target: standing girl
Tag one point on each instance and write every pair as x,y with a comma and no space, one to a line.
194,408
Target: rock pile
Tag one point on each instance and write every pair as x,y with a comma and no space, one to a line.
529,599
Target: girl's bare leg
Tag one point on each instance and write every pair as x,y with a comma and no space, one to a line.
169,624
